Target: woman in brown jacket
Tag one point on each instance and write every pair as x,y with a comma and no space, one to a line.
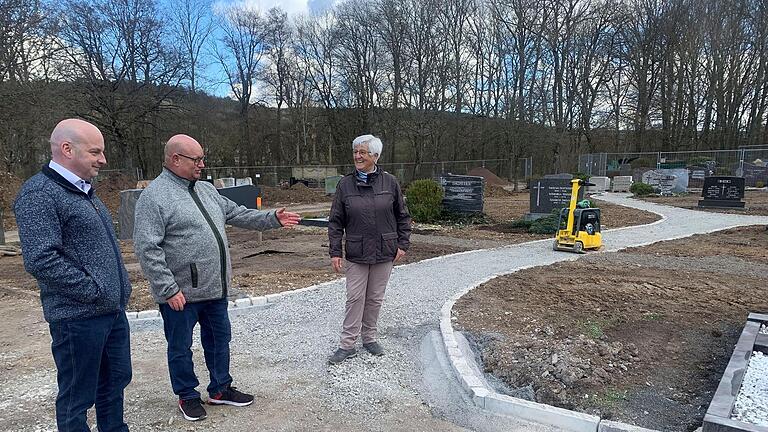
368,208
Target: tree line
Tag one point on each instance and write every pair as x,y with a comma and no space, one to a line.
437,79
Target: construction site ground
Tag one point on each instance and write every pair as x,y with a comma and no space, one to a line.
640,335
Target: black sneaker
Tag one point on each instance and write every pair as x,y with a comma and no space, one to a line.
341,354
230,396
192,409
374,348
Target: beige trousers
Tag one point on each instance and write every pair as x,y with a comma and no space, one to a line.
365,294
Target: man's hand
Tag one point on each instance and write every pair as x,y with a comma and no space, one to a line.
287,219
400,254
336,264
177,302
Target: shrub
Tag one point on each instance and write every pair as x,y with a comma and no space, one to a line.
545,225
641,189
425,200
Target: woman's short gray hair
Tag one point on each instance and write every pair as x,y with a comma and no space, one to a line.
374,144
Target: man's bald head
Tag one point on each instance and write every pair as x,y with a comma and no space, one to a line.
79,147
74,131
181,151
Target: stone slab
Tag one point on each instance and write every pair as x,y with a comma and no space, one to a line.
544,414
612,426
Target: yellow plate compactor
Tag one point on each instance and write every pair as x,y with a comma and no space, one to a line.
579,224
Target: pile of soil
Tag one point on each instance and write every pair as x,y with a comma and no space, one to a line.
495,191
108,189
642,336
9,187
298,193
490,177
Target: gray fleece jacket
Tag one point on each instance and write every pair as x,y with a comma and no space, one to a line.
180,240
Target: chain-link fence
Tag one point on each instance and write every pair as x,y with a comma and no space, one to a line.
749,163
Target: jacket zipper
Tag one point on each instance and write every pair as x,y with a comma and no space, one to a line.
219,241
116,250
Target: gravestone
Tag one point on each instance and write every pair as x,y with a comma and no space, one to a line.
125,213
244,195
565,176
657,176
621,183
549,194
224,182
243,181
463,194
601,184
2,230
723,192
666,185
331,183
754,175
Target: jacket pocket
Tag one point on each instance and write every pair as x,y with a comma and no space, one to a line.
353,246
389,245
193,274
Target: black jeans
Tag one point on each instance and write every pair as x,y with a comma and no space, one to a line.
215,334
93,362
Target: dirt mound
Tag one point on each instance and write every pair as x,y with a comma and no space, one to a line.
495,191
9,187
108,189
298,193
490,177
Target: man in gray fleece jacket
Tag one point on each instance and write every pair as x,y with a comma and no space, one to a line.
181,244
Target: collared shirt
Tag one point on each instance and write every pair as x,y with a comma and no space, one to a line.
71,177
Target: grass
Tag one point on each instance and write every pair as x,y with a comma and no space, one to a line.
611,398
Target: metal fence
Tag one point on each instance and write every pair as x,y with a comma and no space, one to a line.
744,162
406,172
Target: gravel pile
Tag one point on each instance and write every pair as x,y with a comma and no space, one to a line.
752,402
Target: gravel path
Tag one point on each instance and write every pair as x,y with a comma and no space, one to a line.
280,352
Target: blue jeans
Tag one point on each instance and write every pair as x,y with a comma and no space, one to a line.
215,334
93,362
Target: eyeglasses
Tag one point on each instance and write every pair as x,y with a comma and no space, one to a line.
195,160
360,152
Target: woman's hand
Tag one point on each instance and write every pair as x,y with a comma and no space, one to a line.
336,264
400,254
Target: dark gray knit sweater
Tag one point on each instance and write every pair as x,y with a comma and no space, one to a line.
69,246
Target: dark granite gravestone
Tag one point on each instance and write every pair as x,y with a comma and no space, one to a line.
244,195
2,231
463,194
725,192
550,194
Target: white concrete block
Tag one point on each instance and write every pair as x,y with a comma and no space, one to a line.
148,314
274,298
540,413
131,315
479,394
231,304
259,301
612,426
243,302
470,381
602,184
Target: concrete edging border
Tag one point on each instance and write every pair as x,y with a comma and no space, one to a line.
251,302
487,398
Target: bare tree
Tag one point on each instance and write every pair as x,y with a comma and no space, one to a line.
193,25
240,55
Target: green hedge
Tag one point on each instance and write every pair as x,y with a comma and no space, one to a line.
642,189
425,200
